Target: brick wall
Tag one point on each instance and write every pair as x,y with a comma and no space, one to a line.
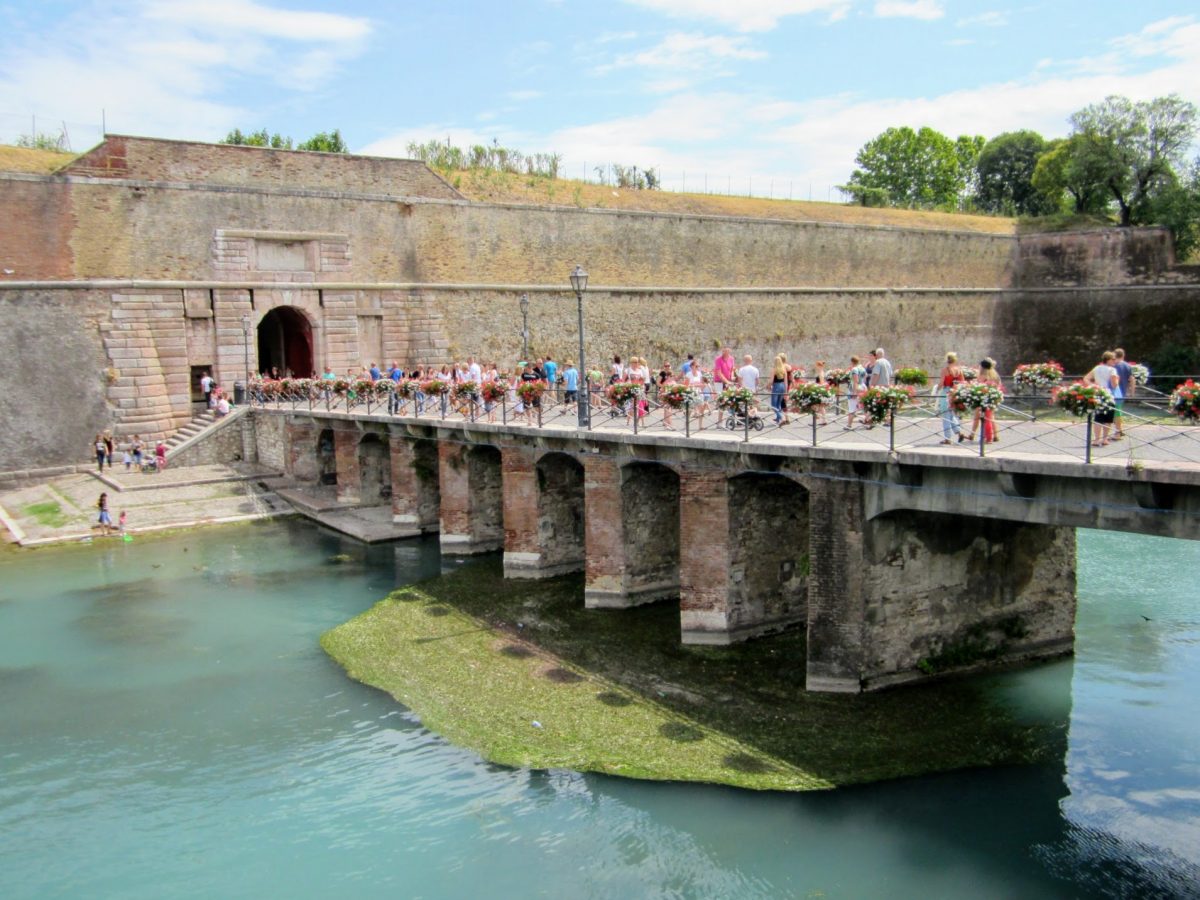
152,159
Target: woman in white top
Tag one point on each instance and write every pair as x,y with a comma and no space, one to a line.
1105,376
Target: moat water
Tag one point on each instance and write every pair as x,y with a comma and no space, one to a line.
169,727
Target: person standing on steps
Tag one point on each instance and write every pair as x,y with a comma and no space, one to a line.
206,386
104,520
101,451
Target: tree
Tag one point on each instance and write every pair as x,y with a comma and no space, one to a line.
1004,175
1067,167
1136,146
913,168
1177,206
323,142
261,138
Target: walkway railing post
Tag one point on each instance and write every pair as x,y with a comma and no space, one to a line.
982,431
635,402
891,432
814,427
539,412
504,409
687,418
746,422
1087,440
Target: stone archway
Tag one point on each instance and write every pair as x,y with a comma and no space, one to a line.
326,457
650,532
374,469
769,558
285,342
560,513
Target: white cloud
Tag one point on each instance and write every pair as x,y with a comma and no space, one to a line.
686,51
927,10
163,68
756,15
246,17
990,19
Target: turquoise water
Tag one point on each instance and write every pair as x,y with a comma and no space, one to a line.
169,727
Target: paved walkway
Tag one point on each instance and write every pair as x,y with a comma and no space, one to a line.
1162,442
64,509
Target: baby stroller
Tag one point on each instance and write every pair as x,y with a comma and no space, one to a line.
736,419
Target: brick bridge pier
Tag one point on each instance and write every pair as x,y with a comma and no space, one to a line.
895,569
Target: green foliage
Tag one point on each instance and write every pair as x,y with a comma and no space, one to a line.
1177,206
1176,362
49,514
922,169
445,157
42,141
260,138
1004,172
1072,167
325,142
1136,147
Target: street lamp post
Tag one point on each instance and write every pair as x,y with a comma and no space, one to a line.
246,348
525,327
579,279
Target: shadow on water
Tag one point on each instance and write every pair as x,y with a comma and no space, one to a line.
753,691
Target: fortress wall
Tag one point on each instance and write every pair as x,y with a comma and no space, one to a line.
155,159
1074,326
1110,256
53,371
153,231
916,328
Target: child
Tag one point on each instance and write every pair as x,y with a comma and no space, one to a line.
104,520
127,458
121,522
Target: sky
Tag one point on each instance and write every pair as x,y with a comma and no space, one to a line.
762,96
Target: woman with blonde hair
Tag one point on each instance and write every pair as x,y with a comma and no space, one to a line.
779,386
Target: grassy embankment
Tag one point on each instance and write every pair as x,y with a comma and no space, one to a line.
482,659
36,162
499,187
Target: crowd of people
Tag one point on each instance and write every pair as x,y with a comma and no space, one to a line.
709,381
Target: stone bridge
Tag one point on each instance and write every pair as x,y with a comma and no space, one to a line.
898,565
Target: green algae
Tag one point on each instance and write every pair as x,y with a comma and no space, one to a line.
521,673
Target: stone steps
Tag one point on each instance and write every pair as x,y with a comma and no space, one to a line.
201,423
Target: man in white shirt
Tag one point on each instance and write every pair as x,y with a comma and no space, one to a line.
881,372
747,374
474,371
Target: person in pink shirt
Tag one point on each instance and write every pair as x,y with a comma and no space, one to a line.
724,376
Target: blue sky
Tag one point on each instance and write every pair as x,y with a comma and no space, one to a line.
781,91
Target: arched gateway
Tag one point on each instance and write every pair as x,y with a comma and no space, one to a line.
285,342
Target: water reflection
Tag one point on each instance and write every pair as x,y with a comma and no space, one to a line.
168,726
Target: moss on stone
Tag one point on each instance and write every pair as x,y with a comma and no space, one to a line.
481,659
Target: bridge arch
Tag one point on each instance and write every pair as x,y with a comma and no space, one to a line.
374,468
769,561
285,342
326,457
650,531
560,510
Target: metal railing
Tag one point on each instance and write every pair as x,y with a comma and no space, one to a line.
1024,424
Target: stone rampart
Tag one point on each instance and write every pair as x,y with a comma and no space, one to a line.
157,159
144,229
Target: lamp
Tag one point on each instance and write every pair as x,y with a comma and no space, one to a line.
579,280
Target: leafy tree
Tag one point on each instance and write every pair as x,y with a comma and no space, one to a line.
1004,174
1178,207
325,142
261,138
1068,168
1137,146
913,168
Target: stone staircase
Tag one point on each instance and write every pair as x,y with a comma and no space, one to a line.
192,429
